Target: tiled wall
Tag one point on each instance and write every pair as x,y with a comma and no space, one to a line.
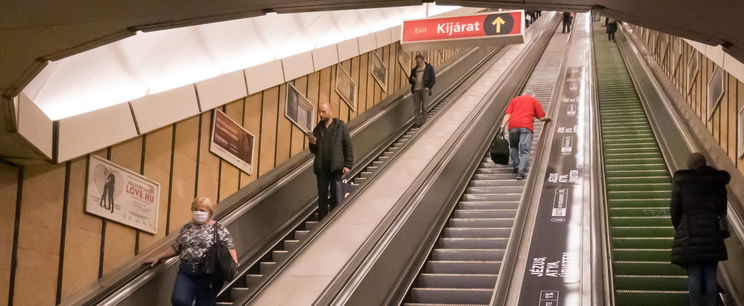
50,248
675,55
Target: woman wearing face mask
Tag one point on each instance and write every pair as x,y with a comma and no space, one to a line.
192,244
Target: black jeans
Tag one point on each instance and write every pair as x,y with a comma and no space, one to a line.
329,191
193,286
566,27
611,36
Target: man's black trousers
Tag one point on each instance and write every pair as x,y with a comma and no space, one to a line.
330,192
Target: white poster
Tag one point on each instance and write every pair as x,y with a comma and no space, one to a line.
120,195
232,142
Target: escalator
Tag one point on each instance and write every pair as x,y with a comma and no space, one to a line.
258,272
638,189
463,266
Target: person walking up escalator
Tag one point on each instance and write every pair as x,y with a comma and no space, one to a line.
519,118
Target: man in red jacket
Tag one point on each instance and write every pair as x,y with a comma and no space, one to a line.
520,115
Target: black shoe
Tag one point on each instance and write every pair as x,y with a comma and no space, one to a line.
520,176
516,170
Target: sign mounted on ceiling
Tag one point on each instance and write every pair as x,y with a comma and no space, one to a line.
506,27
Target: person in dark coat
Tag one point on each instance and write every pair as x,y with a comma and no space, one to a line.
422,80
698,205
611,29
567,18
331,144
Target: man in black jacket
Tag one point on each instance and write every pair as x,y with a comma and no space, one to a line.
422,79
698,206
331,144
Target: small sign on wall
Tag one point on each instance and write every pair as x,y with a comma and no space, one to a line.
232,142
120,195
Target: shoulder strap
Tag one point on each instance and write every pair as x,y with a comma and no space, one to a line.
215,228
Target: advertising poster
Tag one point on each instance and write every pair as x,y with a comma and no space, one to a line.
231,142
299,110
379,70
404,58
120,195
346,87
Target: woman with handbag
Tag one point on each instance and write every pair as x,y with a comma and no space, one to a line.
197,282
698,212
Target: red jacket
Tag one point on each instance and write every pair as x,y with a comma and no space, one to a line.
524,109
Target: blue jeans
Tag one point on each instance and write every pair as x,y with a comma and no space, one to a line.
703,285
520,142
193,286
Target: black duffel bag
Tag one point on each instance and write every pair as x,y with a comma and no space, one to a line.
500,148
217,261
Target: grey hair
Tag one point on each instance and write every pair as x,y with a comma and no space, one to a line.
528,92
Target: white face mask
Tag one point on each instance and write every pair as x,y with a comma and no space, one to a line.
200,217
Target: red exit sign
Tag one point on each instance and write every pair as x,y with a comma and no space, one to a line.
432,32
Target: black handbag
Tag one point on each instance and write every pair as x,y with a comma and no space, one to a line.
500,148
217,261
723,227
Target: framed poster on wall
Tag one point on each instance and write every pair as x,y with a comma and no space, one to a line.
346,87
740,141
379,70
231,142
120,195
404,58
693,65
299,110
716,86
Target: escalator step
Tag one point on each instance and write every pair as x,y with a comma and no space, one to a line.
301,234
497,182
462,267
251,280
647,267
642,231
478,232
651,298
485,213
279,255
495,189
641,254
638,202
650,282
267,266
430,280
236,293
485,204
642,242
493,196
467,254
485,222
640,221
451,295
638,187
472,243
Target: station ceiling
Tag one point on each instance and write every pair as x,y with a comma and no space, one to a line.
34,32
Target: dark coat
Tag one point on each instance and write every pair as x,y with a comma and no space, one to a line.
334,145
612,27
698,199
430,77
